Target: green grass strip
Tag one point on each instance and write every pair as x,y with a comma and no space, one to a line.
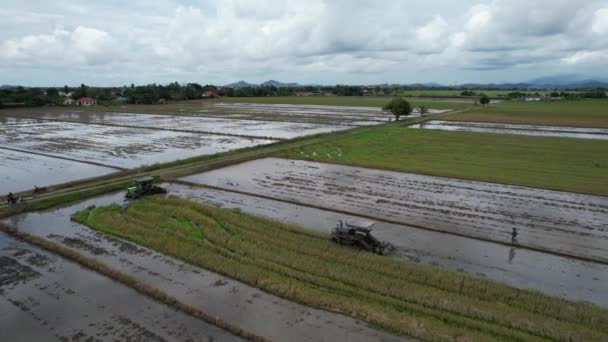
402,297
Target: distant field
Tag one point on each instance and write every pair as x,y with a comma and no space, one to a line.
306,267
577,165
584,113
345,101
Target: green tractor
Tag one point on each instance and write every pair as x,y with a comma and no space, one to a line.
144,187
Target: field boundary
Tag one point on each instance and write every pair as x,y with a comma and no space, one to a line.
371,217
127,280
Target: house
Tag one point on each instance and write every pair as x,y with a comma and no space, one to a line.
68,102
209,94
86,101
121,99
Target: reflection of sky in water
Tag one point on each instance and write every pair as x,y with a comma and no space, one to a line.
21,171
532,130
118,146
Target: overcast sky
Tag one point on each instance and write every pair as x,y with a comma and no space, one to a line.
113,42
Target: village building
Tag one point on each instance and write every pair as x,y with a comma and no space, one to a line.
209,94
86,101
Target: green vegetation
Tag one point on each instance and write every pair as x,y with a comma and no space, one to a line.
398,107
400,296
577,165
581,113
365,101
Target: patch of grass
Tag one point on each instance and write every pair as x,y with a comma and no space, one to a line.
583,113
365,101
576,165
400,296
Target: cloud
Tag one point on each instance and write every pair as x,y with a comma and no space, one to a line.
313,40
584,57
83,45
600,21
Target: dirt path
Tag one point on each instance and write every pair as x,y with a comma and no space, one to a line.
552,221
241,305
47,298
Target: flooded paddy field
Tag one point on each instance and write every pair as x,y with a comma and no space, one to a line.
558,222
532,130
222,297
113,146
359,116
22,171
47,298
218,125
554,275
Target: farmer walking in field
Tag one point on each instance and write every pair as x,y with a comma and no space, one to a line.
514,236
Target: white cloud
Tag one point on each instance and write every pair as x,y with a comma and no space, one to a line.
600,21
584,57
304,40
61,47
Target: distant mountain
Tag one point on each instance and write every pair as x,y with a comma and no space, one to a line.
568,81
270,83
273,83
241,84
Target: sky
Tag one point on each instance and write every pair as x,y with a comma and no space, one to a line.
114,43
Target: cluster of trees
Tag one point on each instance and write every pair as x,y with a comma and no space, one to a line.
30,97
590,94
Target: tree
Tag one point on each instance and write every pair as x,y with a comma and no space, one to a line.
484,100
398,107
423,110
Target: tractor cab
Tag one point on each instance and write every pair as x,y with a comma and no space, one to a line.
357,233
144,187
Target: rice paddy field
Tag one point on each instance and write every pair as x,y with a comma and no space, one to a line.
583,113
366,101
416,301
575,165
242,244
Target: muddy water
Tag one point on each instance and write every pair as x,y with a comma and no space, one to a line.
352,115
554,275
532,130
21,171
113,146
560,222
273,129
219,296
44,297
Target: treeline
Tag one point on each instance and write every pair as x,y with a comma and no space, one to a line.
589,94
157,93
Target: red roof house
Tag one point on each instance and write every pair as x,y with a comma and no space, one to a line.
86,101
209,94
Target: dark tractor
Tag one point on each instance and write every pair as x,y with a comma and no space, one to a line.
358,234
144,187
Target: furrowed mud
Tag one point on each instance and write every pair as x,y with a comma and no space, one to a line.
47,298
532,130
229,300
558,222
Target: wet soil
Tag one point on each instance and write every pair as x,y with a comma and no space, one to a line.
532,130
554,275
22,171
47,298
112,145
222,297
257,128
559,222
